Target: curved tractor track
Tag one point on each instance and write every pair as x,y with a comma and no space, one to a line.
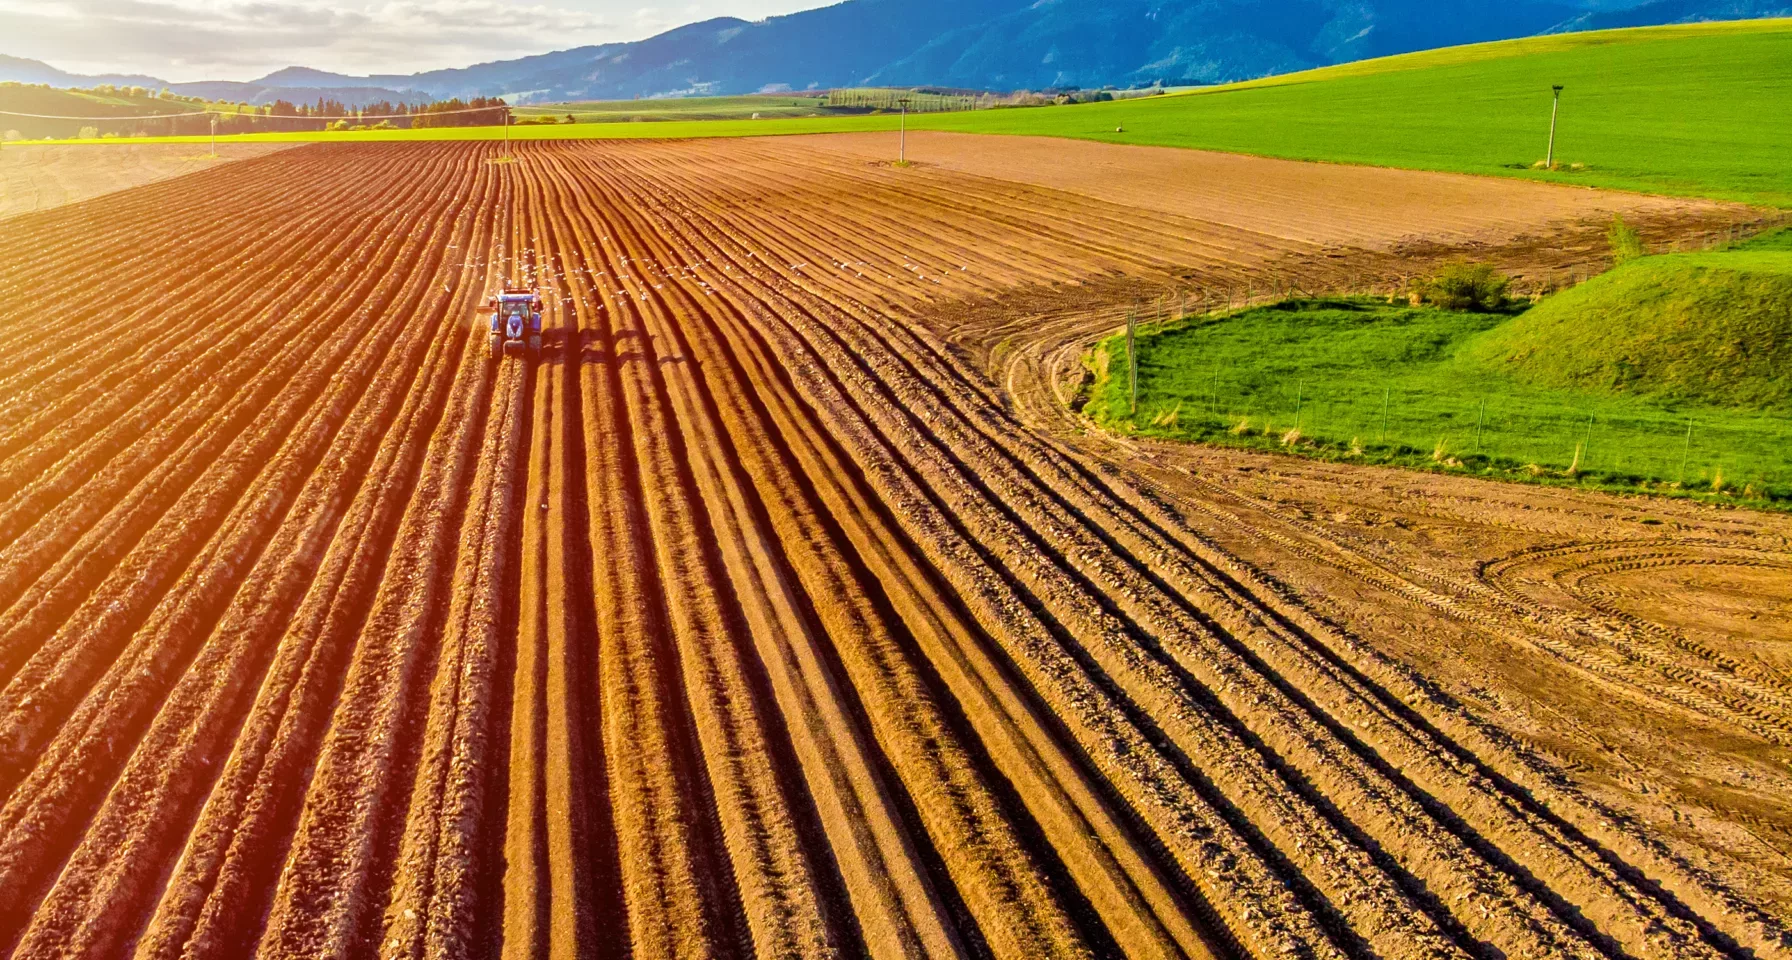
750,620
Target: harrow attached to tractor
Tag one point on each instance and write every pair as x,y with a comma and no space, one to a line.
516,322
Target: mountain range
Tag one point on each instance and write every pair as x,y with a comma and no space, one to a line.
972,44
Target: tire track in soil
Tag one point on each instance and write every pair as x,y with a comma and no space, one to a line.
678,894
562,879
895,906
781,896
1275,923
102,889
256,805
946,820
334,883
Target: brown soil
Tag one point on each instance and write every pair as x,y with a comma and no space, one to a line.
782,607
1330,204
44,176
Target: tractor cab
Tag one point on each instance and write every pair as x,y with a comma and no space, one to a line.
515,322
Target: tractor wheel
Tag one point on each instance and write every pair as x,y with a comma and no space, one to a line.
497,345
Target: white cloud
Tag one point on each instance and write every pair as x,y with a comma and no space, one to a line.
182,40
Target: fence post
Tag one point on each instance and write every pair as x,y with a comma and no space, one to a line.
1385,392
1479,421
1586,444
1132,366
1300,387
1685,451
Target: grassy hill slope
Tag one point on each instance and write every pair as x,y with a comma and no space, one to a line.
1678,110
1696,328
33,99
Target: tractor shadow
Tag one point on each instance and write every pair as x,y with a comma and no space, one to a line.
588,347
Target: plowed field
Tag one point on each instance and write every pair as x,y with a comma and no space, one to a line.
754,619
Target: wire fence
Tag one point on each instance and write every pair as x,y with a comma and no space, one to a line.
1732,450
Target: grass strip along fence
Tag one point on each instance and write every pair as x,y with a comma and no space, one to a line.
1363,380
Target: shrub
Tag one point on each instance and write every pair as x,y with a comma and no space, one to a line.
1626,243
88,133
1465,286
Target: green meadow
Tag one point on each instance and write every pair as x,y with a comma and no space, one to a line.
1666,374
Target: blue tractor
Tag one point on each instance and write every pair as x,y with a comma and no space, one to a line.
516,322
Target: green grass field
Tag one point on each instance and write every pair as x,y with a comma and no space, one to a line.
1687,110
1363,380
1676,110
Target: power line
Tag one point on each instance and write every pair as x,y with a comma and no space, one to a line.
158,116
274,116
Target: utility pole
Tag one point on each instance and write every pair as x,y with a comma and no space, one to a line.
1549,159
902,141
506,134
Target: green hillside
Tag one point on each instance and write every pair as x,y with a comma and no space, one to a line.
1696,328
1678,110
107,102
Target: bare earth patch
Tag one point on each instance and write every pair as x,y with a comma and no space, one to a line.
41,177
1330,204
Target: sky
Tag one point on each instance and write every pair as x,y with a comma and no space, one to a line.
186,40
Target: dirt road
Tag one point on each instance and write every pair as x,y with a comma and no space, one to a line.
757,619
